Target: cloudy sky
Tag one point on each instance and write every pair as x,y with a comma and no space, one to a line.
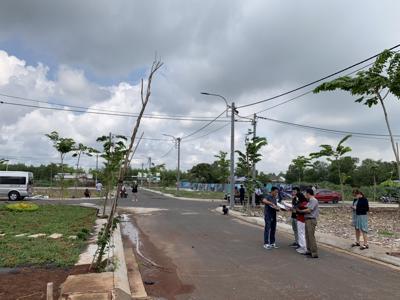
93,54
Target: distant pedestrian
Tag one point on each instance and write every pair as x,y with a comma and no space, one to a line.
360,219
295,202
134,192
270,210
311,214
99,187
258,194
87,193
241,194
301,224
225,210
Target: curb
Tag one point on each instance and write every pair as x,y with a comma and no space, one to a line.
181,198
375,254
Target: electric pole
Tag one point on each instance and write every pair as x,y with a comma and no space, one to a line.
178,175
232,173
149,180
97,166
254,123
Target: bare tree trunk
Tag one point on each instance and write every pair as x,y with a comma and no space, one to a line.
62,177
76,175
145,99
396,153
340,180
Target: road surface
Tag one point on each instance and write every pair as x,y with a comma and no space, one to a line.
218,257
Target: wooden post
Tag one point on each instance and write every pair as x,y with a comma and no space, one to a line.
49,291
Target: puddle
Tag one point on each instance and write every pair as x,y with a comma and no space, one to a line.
129,230
144,210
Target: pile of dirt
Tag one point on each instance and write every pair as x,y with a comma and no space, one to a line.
31,283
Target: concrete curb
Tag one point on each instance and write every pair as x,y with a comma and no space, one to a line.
374,253
120,273
181,198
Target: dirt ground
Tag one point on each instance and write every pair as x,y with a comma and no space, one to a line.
383,223
31,283
161,281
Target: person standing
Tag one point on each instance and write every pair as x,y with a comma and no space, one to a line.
311,214
270,210
295,202
301,224
360,219
99,188
241,194
134,192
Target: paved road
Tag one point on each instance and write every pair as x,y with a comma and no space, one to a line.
223,258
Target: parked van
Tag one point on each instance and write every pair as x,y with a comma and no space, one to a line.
16,185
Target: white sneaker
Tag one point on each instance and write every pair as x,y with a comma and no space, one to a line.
301,251
267,246
274,246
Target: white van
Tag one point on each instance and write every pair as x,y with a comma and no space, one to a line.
16,185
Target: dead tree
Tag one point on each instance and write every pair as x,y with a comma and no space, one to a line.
109,226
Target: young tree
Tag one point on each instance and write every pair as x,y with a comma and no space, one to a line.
144,97
114,150
63,146
334,155
222,165
301,163
373,85
80,150
246,161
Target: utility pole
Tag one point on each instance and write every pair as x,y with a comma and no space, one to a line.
97,166
149,179
254,123
232,175
141,177
178,175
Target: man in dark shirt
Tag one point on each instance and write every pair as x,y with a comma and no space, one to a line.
241,194
270,210
295,202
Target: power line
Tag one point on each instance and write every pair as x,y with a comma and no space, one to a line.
208,133
316,81
359,134
113,114
89,108
205,126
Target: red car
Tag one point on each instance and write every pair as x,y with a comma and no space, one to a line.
328,196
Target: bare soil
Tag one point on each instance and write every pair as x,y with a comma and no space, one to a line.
31,283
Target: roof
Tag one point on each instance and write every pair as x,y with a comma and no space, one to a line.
15,173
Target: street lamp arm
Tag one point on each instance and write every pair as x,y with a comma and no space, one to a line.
216,95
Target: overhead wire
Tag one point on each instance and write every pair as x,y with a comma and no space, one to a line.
315,81
204,126
359,134
113,114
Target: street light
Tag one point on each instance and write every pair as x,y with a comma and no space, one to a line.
232,171
177,140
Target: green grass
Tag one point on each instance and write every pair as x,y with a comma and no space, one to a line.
386,233
191,194
43,251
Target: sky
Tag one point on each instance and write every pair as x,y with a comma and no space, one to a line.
94,53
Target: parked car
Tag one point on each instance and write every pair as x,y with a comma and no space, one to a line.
326,196
16,185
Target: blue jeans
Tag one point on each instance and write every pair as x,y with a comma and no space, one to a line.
269,229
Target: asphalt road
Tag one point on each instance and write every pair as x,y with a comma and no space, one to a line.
223,258
220,257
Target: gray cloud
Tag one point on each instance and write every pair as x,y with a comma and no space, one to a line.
244,50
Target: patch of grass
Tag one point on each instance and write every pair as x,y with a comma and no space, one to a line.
386,233
49,219
192,194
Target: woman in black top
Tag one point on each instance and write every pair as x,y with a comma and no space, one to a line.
360,220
